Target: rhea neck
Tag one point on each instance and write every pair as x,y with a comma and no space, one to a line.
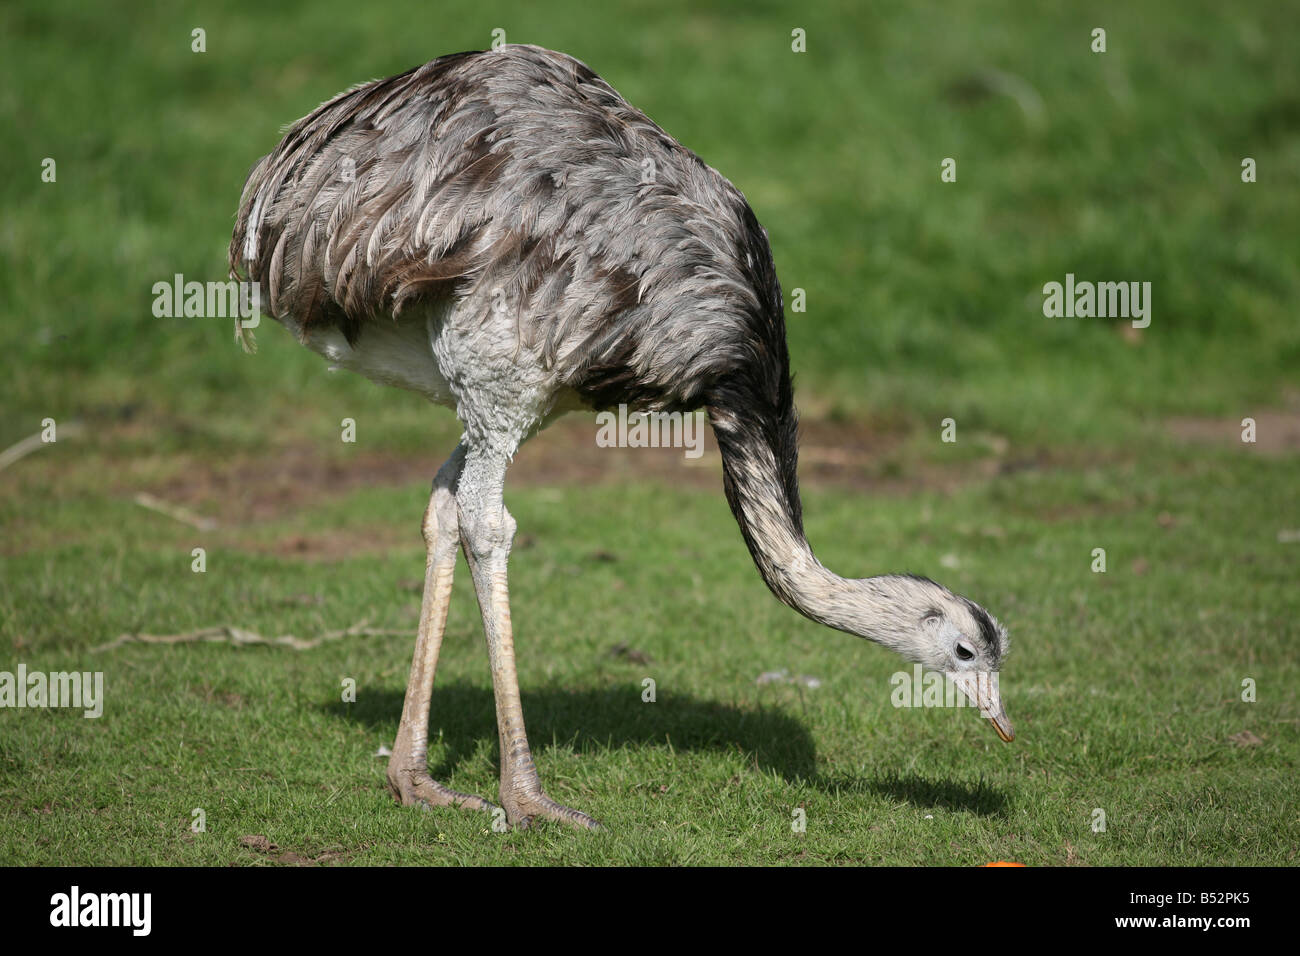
758,442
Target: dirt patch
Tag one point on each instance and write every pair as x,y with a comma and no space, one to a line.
1276,432
249,488
567,453
210,694
341,543
260,844
246,489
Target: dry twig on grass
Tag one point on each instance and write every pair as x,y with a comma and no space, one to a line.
238,635
29,444
176,512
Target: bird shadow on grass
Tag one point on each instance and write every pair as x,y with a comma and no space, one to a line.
611,717
924,792
463,716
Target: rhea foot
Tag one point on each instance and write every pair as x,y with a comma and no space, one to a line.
524,807
413,788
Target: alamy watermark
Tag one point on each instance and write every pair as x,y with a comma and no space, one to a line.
921,688
232,299
1102,300
626,429
55,689
75,908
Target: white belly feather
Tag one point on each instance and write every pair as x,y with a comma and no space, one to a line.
396,352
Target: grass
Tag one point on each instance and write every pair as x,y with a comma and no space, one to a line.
1124,686
924,302
923,298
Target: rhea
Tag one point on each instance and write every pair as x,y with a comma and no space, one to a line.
502,233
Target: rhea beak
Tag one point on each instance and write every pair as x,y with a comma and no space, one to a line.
982,689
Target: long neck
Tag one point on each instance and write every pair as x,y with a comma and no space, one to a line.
757,434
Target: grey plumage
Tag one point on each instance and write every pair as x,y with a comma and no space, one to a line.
520,170
503,233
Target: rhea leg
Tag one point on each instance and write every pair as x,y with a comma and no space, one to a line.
487,531
408,776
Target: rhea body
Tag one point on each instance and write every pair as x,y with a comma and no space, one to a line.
502,233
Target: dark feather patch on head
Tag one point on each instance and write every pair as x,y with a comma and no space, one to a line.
988,630
922,579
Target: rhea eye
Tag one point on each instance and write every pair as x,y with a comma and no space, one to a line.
965,653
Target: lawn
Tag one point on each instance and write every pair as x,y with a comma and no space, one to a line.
924,302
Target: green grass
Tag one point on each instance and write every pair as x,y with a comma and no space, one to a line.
924,302
1124,686
924,298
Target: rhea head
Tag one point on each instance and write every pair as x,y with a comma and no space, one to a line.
924,622
967,644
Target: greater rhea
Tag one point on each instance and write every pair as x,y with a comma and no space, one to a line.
502,233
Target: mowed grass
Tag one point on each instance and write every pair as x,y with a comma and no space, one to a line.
1125,686
923,302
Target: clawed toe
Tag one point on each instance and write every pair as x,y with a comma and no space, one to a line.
524,811
415,789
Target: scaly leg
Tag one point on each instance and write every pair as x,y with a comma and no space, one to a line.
487,532
408,775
